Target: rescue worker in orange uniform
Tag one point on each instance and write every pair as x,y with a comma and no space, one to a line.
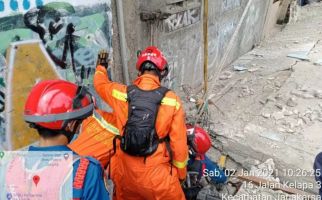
97,132
153,172
96,137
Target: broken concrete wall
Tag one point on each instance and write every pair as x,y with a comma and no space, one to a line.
179,34
37,39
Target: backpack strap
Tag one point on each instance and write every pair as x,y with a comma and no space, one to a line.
163,91
166,140
117,137
130,89
79,178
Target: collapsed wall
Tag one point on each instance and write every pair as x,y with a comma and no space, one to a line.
273,107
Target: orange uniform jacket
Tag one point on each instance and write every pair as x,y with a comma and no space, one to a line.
96,137
170,119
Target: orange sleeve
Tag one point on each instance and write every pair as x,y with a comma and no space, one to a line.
109,91
178,141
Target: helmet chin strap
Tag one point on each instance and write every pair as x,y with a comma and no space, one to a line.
164,73
150,66
70,132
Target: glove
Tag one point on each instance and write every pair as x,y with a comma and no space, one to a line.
102,58
191,193
195,166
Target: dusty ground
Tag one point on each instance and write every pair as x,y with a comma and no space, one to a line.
273,107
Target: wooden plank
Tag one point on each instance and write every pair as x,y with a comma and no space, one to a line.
283,10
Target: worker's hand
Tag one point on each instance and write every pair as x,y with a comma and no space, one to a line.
102,58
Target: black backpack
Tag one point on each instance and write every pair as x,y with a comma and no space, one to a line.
140,137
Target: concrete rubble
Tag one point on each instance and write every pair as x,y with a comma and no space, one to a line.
237,189
251,191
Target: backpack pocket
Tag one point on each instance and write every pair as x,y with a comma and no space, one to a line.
139,142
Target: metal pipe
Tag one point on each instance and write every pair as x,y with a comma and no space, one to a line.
205,43
120,22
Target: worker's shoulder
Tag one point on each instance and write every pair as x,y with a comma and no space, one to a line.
92,162
119,86
171,94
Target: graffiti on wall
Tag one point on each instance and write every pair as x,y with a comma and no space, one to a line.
43,39
182,19
14,4
2,100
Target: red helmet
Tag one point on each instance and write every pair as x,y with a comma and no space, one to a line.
154,55
201,141
52,103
